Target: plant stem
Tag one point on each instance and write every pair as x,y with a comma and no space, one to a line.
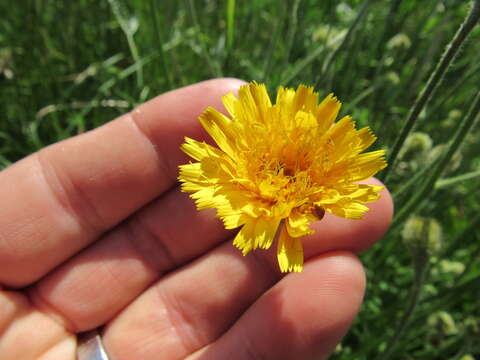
455,243
443,183
449,94
230,23
466,125
277,28
433,82
414,180
328,62
292,30
120,14
159,39
379,55
214,68
414,298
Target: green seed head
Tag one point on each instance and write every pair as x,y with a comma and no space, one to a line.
441,323
472,326
417,144
422,236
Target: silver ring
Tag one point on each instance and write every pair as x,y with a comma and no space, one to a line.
90,347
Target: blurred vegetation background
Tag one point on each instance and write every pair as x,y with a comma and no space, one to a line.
69,66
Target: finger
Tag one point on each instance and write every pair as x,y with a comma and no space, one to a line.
94,285
163,236
57,201
170,321
302,317
26,333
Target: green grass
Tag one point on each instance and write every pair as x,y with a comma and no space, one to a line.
67,67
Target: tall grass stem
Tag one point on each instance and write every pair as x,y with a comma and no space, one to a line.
230,23
159,38
292,30
129,31
443,183
466,125
433,83
421,270
214,68
333,56
274,40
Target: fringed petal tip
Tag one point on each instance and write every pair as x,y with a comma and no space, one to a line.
256,233
289,252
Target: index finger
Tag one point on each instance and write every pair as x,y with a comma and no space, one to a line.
59,200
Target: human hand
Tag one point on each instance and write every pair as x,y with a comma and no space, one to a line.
94,233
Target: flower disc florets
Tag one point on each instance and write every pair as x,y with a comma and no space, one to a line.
280,167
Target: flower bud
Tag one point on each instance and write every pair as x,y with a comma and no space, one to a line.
422,236
399,40
438,151
467,357
441,324
472,327
417,146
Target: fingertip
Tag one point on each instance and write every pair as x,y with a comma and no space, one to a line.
187,102
222,85
310,312
377,220
323,301
344,272
217,88
336,282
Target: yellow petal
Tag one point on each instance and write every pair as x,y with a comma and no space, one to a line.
190,172
245,238
347,209
327,112
366,165
366,138
365,193
200,150
254,103
230,102
285,98
265,230
305,99
338,131
220,129
298,223
304,120
256,233
347,201
194,149
261,98
233,219
289,252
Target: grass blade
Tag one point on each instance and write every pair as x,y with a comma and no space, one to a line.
129,28
230,23
443,183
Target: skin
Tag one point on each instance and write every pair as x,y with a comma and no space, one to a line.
94,233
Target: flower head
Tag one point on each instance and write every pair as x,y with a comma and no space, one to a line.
279,167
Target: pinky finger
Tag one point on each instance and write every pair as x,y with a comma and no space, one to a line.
303,316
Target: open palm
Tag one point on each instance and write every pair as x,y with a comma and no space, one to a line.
94,233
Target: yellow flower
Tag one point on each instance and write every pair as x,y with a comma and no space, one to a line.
279,167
